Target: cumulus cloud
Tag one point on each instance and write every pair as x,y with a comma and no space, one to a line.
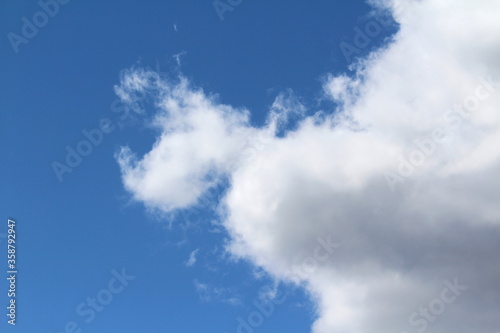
403,174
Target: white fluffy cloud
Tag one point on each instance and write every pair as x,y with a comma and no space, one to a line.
404,176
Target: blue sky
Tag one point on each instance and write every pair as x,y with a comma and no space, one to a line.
117,211
73,233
